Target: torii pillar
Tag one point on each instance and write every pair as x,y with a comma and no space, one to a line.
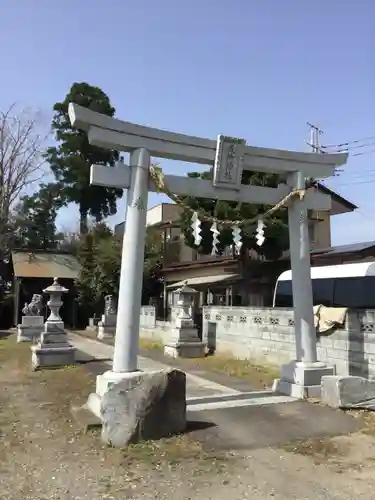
301,378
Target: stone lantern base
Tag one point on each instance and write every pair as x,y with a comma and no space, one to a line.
52,357
185,343
185,349
53,349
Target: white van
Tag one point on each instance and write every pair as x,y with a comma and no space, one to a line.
345,285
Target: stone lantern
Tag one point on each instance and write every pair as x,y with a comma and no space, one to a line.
185,297
184,340
54,322
53,349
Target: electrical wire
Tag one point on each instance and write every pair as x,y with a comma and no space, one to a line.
372,151
354,174
351,148
356,183
371,217
330,146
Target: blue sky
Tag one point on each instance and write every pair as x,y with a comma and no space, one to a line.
257,69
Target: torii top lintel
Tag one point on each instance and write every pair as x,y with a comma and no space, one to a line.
107,132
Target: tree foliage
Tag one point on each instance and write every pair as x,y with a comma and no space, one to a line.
99,253
153,263
73,156
276,231
88,286
34,220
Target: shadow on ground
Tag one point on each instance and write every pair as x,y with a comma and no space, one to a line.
272,425
253,427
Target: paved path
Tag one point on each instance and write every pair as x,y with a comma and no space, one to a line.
227,419
202,394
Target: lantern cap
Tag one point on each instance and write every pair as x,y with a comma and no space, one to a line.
185,289
55,287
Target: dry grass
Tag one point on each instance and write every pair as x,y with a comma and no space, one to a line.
320,450
368,418
172,451
40,441
259,375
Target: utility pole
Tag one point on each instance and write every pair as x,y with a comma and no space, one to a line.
314,142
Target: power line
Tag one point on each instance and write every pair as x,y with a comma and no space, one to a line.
356,183
350,148
371,217
330,146
372,151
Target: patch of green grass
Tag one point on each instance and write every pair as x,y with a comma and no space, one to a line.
239,368
259,374
150,344
13,352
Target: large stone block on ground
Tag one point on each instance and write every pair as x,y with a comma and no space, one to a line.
347,391
52,357
142,406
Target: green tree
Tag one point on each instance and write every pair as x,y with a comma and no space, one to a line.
99,253
73,156
153,263
88,287
35,219
106,276
276,231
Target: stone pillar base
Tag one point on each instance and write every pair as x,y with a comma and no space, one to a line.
301,380
103,383
54,327
28,333
139,405
185,350
52,357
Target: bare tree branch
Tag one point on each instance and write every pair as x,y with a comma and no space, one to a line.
21,160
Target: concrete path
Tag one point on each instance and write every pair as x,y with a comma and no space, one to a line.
227,419
202,394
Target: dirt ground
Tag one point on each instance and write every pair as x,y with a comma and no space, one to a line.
44,455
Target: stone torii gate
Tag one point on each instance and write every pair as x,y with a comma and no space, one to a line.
299,378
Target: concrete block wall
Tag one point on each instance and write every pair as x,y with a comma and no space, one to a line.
351,349
267,334
152,329
148,317
250,332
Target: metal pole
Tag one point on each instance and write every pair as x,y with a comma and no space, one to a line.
131,277
301,277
